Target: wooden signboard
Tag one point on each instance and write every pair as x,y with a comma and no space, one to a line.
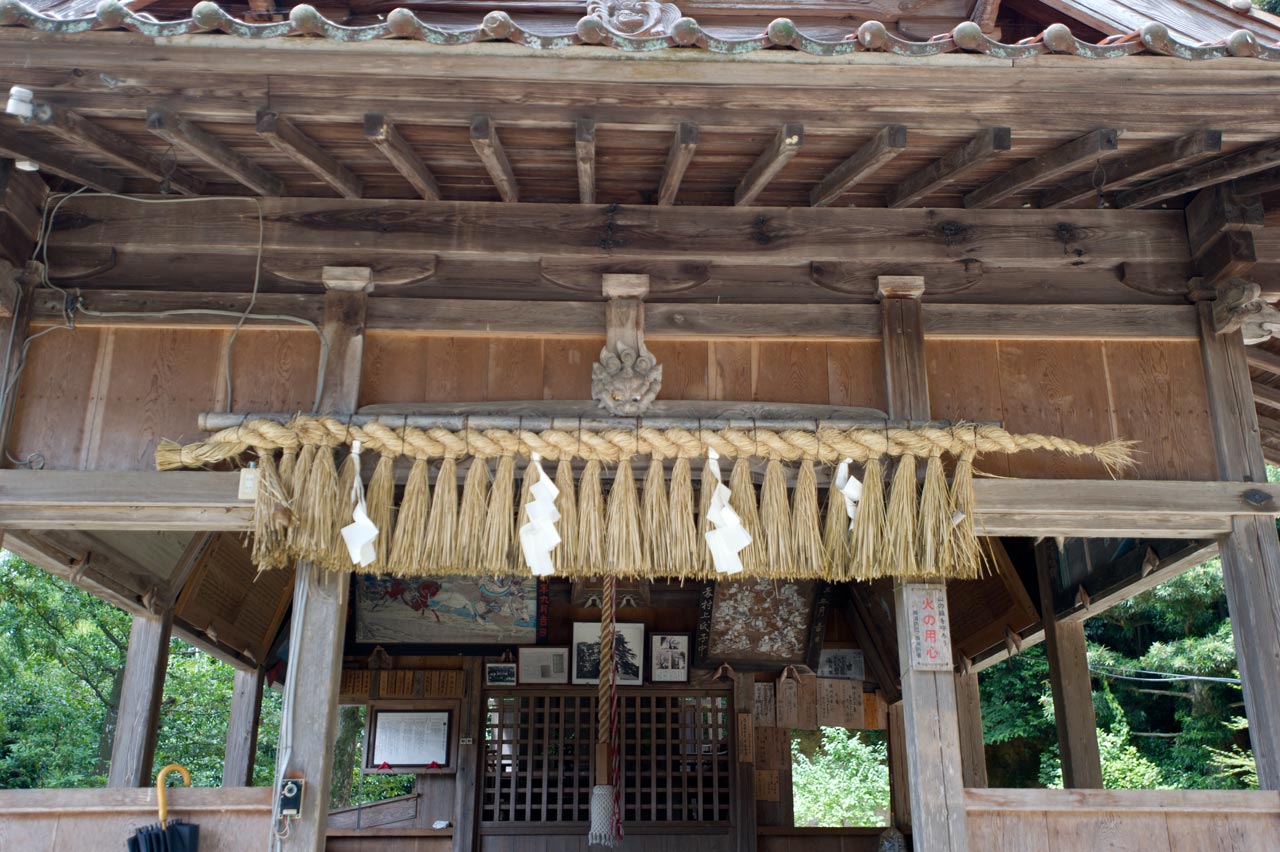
840,703
396,683
766,705
767,786
773,748
355,683
930,627
797,698
446,683
875,711
746,739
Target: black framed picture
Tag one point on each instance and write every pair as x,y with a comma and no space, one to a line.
628,650
499,674
669,657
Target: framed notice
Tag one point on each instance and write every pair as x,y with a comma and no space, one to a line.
544,665
402,741
929,626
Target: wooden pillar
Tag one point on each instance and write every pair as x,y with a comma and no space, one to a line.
899,785
1250,552
744,802
467,782
320,596
973,749
931,737
242,729
137,724
1069,678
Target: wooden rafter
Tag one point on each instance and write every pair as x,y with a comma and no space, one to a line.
1230,255
198,142
1240,164
1266,395
1262,359
584,142
1045,167
683,145
293,143
1161,157
950,168
780,151
383,135
484,138
867,160
1258,183
22,147
77,130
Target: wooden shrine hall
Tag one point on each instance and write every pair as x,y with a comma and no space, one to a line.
797,360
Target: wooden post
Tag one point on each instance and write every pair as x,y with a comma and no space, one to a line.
319,596
899,785
135,742
1069,678
973,751
242,729
744,813
467,782
1250,552
931,737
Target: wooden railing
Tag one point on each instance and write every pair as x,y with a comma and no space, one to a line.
231,819
1155,820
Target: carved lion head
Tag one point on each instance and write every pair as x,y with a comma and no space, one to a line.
625,382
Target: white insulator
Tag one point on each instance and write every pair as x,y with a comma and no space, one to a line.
20,102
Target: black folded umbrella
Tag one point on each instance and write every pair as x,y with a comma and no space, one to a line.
173,836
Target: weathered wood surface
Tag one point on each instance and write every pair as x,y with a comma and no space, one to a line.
973,753
866,161
1043,168
1098,820
383,135
466,782
137,726
683,146
771,161
181,133
585,147
1122,171
231,819
286,138
242,729
951,167
19,146
488,145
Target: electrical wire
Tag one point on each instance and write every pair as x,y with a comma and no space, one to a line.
1157,677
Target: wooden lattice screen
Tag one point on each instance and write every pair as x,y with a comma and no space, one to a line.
539,757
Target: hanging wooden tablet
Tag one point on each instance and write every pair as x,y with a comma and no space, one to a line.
766,705
840,703
787,702
807,699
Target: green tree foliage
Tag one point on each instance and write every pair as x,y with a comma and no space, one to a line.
1272,6
845,782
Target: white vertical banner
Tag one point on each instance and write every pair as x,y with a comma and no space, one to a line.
930,627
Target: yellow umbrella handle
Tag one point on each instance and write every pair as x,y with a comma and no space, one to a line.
162,797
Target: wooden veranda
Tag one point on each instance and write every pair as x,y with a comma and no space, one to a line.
1053,217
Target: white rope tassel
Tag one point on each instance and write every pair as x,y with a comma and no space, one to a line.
539,537
729,537
360,534
602,833
851,488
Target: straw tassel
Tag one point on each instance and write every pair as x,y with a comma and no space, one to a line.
590,523
499,523
900,528
565,556
380,504
471,519
867,538
272,516
657,519
775,523
743,501
624,554
298,495
806,533
339,558
836,536
706,488
441,547
408,552
319,504
970,557
682,524
288,461
933,551
527,480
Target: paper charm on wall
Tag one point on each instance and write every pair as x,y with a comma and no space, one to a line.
539,537
729,537
850,488
360,534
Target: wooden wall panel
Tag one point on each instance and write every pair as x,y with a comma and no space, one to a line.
732,370
791,372
459,369
686,368
515,368
964,384
395,368
566,366
53,397
855,374
274,370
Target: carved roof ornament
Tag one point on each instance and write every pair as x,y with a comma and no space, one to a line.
634,18
627,378
1240,305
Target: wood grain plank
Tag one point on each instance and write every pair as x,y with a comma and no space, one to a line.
964,384
515,368
566,366
459,369
732,370
395,368
791,372
270,368
50,403
855,373
685,368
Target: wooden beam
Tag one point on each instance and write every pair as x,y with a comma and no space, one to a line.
683,145
327,231
1230,255
973,750
137,722
77,130
866,161
780,151
1262,359
1266,395
1195,553
1232,166
23,197
1216,210
881,659
198,142
242,729
1043,168
297,146
953,166
1070,682
744,831
1122,171
467,781
21,146
484,138
584,141
383,135
1257,183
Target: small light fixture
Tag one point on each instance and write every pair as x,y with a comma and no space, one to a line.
26,165
20,102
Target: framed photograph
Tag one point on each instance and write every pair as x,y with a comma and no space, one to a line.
758,625
841,663
403,741
628,650
669,657
499,674
544,665
462,614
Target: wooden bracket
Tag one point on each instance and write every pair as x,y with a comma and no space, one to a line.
351,279
1012,642
725,672
627,378
1150,562
1082,598
899,287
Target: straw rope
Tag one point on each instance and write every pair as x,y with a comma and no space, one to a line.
827,444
